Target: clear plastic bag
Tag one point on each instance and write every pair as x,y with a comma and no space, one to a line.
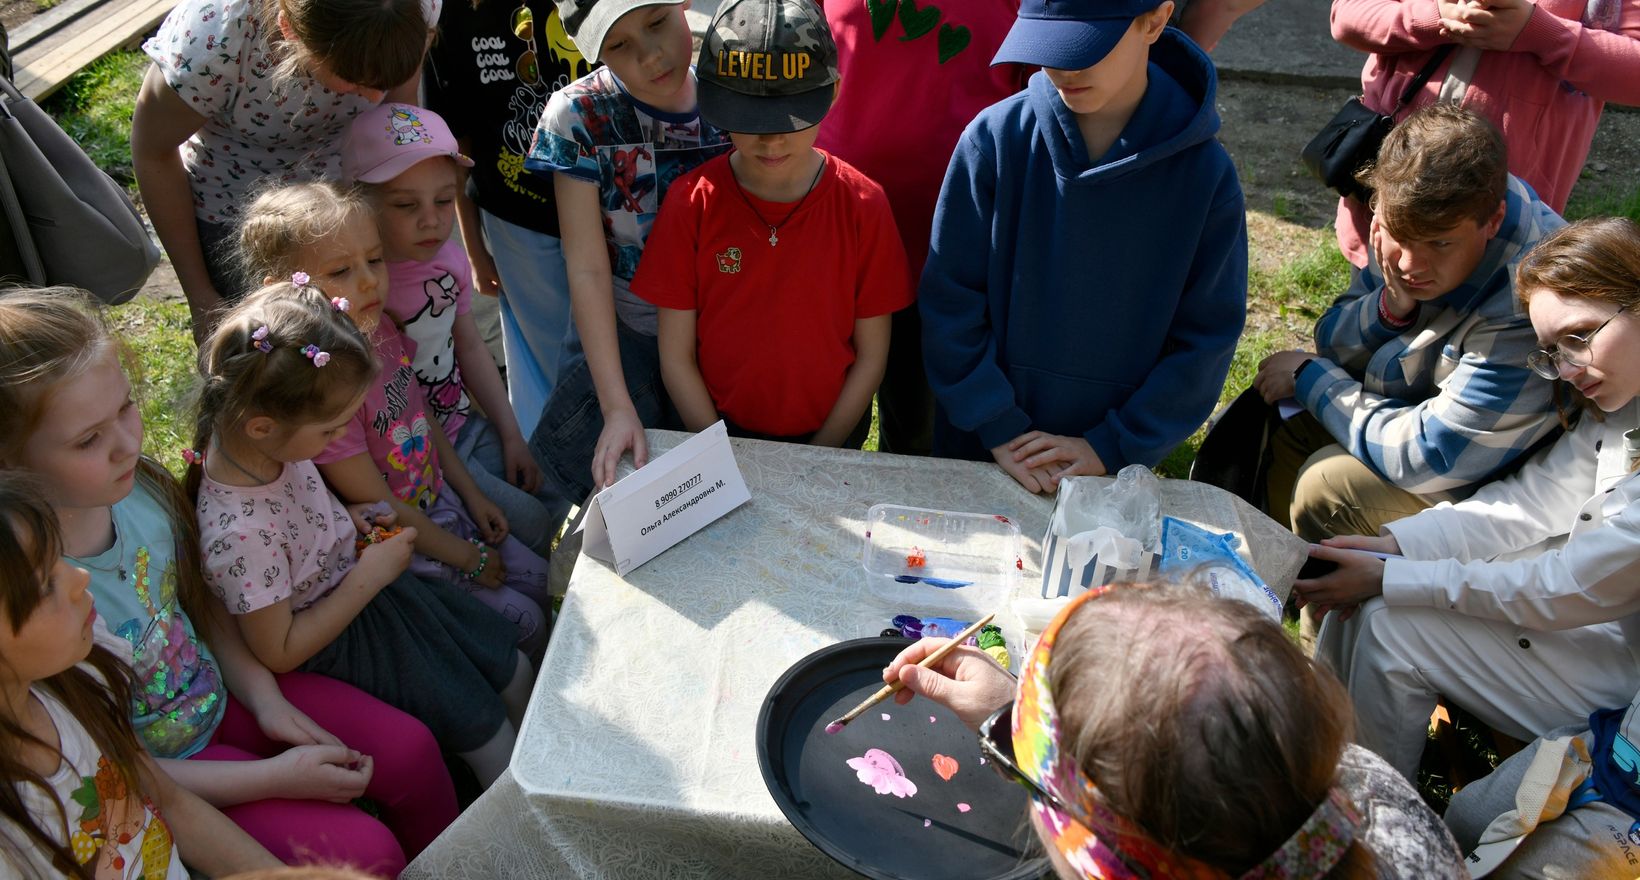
1132,505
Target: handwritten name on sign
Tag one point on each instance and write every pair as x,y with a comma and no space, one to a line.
666,501
762,65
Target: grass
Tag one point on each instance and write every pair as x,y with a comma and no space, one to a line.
161,347
95,108
1290,298
1604,204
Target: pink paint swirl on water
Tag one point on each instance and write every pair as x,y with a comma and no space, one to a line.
879,770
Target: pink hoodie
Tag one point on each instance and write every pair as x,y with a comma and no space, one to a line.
1545,93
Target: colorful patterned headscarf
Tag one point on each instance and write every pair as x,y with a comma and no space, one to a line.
1098,844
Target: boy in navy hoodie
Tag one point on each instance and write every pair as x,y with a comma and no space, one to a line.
1087,278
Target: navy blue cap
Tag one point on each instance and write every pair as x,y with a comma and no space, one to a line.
1069,34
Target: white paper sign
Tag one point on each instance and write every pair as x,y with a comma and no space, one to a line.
665,501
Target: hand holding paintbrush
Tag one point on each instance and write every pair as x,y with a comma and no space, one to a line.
933,659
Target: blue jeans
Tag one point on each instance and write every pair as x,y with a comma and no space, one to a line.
532,519
565,438
536,329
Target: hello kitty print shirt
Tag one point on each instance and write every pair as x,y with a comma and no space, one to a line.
425,298
394,425
290,539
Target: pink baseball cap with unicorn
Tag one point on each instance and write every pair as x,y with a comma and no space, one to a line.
384,141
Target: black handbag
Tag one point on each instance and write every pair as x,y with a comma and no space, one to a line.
1350,141
1235,455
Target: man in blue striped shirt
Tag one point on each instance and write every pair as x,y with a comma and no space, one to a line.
1418,389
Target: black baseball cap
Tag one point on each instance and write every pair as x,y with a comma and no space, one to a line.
767,67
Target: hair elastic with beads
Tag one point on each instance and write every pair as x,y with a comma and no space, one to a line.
259,338
319,358
300,279
193,456
340,304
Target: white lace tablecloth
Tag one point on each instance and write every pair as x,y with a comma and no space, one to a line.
638,757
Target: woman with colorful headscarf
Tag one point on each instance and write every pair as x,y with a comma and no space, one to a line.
1166,733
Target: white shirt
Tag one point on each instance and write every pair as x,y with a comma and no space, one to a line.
111,828
1555,545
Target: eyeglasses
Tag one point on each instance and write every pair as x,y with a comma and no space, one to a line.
523,27
1574,350
1001,754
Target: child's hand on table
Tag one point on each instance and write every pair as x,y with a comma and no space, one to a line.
1059,455
622,431
1035,480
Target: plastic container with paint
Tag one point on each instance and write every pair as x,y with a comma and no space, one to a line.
971,560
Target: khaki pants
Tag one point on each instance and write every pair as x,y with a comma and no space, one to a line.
1319,490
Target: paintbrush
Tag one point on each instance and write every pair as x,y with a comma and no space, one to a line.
889,690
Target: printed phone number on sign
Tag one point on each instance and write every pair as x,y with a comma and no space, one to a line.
677,493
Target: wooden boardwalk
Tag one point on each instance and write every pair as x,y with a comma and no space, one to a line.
52,46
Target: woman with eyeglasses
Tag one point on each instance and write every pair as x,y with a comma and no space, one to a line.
1517,604
1163,732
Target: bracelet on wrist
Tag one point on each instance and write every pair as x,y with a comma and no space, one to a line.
483,560
1388,317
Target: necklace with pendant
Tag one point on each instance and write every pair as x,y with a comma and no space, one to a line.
774,228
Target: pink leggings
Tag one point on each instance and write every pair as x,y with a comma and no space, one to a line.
409,782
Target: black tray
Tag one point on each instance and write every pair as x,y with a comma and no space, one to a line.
881,835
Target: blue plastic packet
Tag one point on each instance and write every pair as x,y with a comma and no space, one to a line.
1189,549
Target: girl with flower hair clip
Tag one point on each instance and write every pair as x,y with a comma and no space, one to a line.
283,375
1165,732
283,756
395,451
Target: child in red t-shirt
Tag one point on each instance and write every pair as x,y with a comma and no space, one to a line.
775,268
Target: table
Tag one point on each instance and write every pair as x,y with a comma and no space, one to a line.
637,757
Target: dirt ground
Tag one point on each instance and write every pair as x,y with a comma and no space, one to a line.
1265,127
15,12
